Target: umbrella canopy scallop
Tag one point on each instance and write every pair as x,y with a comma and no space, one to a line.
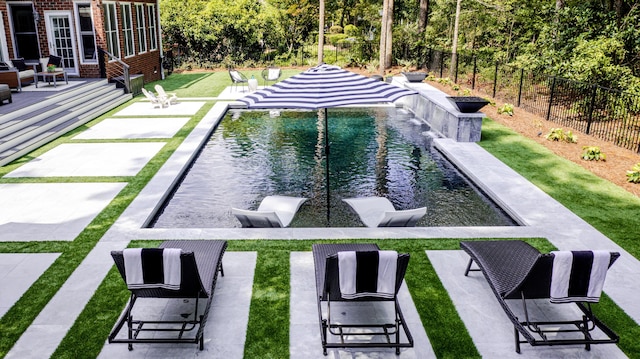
325,86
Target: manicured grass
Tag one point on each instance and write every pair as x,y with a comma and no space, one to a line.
206,84
607,207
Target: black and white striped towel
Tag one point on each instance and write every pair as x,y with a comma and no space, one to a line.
578,276
367,273
152,268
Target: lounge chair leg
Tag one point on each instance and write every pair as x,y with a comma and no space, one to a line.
517,336
466,272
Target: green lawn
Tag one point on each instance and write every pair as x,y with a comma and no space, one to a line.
610,209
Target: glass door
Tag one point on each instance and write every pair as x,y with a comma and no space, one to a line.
62,39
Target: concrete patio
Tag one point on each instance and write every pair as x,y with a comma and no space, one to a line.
55,211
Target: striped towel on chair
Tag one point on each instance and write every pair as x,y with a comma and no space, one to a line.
578,276
147,268
367,273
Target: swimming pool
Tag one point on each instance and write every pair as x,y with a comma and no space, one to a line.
376,151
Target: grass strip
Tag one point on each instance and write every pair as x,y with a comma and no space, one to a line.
268,327
609,208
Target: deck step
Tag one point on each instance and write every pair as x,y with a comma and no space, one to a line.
31,127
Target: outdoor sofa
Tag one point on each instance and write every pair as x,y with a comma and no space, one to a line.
16,74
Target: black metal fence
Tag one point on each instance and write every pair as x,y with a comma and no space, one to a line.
605,113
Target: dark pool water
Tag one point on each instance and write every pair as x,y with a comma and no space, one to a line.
377,151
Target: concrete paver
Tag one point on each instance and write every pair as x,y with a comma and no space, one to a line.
225,331
51,211
144,108
134,128
304,329
90,159
18,271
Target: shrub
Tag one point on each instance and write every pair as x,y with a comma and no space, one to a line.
592,153
506,109
633,176
335,29
334,39
558,134
351,30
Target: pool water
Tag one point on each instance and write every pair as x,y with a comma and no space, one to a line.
378,151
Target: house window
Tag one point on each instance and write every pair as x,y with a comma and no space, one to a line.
153,39
24,31
86,33
141,29
111,29
127,29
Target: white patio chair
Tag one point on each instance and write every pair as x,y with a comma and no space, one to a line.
273,212
171,98
155,101
379,212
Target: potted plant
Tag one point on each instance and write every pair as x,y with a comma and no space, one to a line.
51,68
467,104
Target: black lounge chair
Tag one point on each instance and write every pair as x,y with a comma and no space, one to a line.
325,258
200,262
516,270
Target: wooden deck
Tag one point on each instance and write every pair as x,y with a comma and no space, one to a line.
28,98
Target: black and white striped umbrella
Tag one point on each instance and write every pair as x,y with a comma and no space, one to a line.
324,86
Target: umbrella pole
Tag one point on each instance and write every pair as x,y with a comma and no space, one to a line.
326,164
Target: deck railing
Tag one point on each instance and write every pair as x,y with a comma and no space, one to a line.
118,72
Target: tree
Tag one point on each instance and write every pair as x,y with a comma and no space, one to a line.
454,46
321,33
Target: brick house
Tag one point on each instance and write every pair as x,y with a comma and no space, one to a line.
78,30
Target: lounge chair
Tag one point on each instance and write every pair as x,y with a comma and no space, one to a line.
199,262
273,212
237,78
155,101
271,74
170,98
516,270
379,212
336,263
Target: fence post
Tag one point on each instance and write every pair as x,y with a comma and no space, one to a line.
495,80
475,69
553,90
520,87
441,62
592,106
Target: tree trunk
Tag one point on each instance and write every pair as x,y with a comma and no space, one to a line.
389,42
423,16
454,46
383,37
321,33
